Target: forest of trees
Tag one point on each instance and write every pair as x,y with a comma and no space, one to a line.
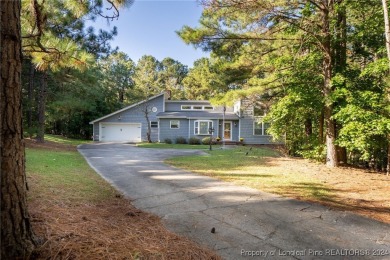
319,68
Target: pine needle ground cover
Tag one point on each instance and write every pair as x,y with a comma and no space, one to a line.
356,190
77,215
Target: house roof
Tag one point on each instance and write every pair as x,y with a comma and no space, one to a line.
198,115
126,108
187,101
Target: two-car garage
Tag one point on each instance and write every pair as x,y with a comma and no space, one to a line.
120,132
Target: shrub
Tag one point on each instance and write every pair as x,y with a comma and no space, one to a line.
194,140
30,131
181,140
206,140
167,141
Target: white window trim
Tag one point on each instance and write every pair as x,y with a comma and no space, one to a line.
186,108
178,125
158,124
262,129
199,121
192,107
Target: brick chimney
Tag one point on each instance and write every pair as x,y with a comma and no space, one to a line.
168,94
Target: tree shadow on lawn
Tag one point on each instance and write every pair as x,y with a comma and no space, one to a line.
242,175
329,197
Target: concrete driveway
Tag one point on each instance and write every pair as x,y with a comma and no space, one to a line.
248,223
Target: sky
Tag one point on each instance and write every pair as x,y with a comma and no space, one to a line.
148,28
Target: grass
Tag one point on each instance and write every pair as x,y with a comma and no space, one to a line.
64,140
177,146
75,214
65,173
252,167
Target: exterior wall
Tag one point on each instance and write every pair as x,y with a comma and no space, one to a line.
246,132
220,109
167,132
186,130
243,129
135,115
176,106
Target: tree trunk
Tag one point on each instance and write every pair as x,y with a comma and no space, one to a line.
148,133
387,33
321,128
308,127
17,240
387,28
42,108
30,96
340,64
331,152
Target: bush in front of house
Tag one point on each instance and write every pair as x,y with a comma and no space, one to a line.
181,140
194,140
206,140
167,141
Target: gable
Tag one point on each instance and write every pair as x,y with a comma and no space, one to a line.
129,108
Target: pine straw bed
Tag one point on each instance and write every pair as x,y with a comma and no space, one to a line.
112,230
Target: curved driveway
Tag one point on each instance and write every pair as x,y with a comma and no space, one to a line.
247,221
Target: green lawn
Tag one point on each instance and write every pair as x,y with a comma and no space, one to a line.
63,140
254,168
52,173
176,146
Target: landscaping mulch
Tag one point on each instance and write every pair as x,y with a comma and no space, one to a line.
111,230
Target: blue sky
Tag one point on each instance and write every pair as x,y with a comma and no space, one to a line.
148,28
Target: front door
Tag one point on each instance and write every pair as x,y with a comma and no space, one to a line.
227,132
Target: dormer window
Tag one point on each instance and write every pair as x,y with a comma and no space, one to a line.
186,107
196,107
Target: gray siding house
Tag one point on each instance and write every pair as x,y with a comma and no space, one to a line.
181,118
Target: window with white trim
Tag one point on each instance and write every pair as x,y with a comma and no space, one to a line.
154,124
196,107
175,124
201,127
260,128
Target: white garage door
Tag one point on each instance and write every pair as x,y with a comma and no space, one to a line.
111,132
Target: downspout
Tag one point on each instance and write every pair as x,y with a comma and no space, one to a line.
223,127
158,131
189,129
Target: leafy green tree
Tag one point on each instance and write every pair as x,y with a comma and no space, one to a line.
17,238
260,35
203,81
75,98
387,34
146,77
171,76
54,38
118,71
